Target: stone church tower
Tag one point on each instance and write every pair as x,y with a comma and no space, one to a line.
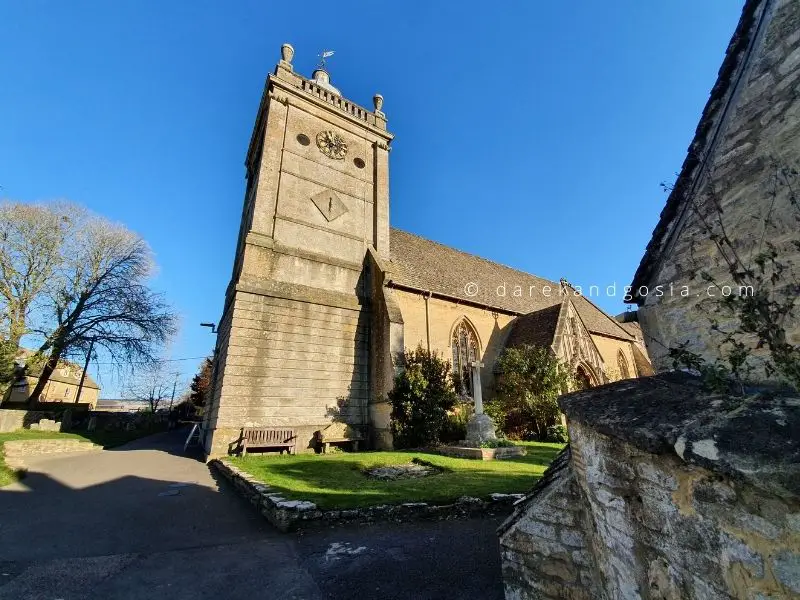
293,347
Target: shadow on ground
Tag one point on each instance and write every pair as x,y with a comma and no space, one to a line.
145,521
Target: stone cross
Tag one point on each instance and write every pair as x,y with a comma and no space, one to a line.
477,394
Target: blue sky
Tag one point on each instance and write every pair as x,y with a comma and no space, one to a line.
532,133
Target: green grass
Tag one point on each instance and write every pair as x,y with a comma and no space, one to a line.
107,439
337,480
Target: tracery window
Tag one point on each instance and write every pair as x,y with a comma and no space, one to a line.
465,351
622,364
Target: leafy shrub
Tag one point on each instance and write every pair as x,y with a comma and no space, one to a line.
557,433
455,428
422,398
530,381
499,443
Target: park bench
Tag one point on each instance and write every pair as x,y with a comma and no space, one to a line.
339,433
265,438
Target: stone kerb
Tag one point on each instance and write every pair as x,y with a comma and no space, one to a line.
288,515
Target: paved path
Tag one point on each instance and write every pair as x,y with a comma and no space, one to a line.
144,521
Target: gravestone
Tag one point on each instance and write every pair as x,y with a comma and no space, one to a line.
66,420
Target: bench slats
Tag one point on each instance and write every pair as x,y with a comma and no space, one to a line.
267,437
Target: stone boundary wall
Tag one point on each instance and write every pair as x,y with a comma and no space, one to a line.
288,515
667,492
14,419
75,418
547,556
16,451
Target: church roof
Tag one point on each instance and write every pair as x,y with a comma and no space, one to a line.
537,328
633,328
424,265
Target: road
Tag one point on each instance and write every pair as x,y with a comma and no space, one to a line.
145,521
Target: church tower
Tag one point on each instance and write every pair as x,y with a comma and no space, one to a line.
294,342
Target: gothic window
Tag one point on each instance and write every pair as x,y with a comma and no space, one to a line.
622,363
465,351
583,380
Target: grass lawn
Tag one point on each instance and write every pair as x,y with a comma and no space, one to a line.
337,480
107,439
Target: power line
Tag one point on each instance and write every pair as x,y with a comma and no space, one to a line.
163,360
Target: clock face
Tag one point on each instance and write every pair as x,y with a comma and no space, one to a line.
332,145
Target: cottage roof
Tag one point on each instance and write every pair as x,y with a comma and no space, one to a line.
66,372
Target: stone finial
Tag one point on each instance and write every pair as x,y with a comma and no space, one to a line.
323,79
287,53
377,100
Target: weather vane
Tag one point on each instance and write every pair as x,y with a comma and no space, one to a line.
325,54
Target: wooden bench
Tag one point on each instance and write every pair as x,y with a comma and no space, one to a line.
339,433
267,437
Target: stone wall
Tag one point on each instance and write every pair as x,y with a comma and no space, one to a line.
750,130
650,503
290,364
17,451
12,419
545,553
609,349
443,316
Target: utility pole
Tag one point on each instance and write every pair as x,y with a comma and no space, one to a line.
174,385
85,367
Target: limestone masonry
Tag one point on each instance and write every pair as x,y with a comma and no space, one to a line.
325,297
665,492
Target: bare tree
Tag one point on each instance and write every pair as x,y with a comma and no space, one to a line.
151,384
31,241
100,296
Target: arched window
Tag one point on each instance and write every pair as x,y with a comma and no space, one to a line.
622,364
583,380
465,351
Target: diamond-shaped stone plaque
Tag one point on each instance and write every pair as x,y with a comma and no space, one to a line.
329,204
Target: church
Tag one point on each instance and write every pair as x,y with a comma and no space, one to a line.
325,296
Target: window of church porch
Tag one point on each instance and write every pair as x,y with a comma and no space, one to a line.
583,380
622,364
465,351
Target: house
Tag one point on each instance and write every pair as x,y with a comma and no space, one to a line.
62,386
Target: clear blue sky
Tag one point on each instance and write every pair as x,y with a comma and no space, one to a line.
532,133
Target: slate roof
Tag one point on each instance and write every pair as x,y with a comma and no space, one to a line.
704,138
421,264
633,328
536,328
